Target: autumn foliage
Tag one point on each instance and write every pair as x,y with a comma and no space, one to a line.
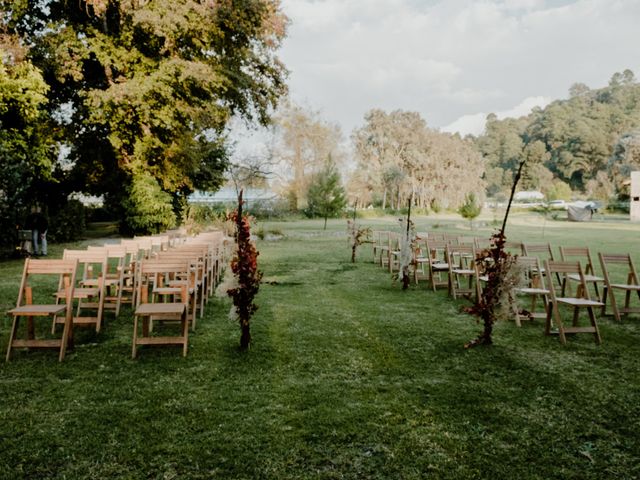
244,266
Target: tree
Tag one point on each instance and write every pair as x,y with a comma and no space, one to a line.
326,195
470,209
399,156
27,151
559,191
150,86
306,142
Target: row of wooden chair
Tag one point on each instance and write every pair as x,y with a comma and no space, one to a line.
164,278
449,261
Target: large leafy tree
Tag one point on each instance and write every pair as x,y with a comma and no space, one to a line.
399,158
145,88
306,141
26,148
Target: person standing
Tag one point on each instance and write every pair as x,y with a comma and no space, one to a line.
39,225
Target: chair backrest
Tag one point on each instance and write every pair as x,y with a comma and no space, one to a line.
461,256
513,247
482,243
65,270
93,262
154,272
624,265
557,270
531,271
544,249
437,249
582,253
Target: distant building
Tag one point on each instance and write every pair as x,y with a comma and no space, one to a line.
634,207
528,196
229,196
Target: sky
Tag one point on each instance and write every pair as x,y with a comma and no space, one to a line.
453,61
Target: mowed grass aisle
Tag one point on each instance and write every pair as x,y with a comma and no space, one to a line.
348,377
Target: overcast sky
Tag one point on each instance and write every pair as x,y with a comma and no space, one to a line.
454,61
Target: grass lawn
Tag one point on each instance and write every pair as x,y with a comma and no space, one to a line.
348,377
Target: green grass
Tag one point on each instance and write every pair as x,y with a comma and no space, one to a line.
348,377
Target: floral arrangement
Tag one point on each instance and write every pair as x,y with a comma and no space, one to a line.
244,266
407,245
502,276
497,300
357,236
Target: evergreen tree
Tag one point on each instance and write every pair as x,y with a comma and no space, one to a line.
326,196
470,209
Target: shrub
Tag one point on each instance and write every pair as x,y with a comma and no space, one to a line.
68,223
147,208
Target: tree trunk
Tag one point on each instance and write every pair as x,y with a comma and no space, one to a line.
325,223
384,199
245,336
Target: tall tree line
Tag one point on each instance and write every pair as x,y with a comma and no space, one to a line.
588,141
398,158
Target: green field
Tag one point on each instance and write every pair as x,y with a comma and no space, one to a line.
348,377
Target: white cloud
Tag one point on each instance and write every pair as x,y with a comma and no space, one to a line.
474,124
448,59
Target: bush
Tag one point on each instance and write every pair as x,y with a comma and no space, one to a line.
68,223
619,207
147,208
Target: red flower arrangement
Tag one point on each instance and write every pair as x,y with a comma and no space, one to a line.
244,266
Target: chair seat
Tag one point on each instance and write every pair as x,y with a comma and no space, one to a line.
533,291
167,290
463,271
37,310
160,309
93,282
579,302
625,286
587,278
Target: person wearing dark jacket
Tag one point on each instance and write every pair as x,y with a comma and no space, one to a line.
39,225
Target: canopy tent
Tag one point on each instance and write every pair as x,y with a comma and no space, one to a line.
580,211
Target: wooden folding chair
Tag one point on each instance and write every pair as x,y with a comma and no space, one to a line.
583,255
27,306
89,293
383,248
194,281
482,243
461,260
206,252
153,275
541,250
581,300
625,270
533,287
438,267
514,248
420,260
544,252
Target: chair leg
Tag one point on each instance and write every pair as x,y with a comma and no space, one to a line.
185,333
67,337
134,348
12,336
614,305
594,324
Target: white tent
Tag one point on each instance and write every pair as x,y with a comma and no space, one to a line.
580,211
